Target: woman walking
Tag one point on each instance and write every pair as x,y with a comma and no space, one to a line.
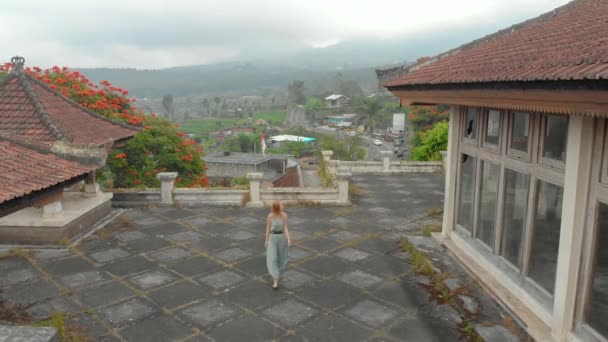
277,241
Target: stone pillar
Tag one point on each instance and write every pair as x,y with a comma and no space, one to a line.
52,211
386,160
255,178
343,179
574,211
327,155
167,185
91,188
450,164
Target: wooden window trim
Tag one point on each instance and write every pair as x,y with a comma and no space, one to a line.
549,162
495,148
515,153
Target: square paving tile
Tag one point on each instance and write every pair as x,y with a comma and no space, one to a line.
28,293
232,254
209,313
211,243
331,328
152,279
378,245
105,294
248,328
175,213
130,236
342,221
385,265
255,266
46,309
178,294
380,210
240,235
418,328
405,293
95,244
344,235
290,312
67,266
254,295
186,236
293,279
221,279
127,312
320,244
147,221
109,255
148,244
372,313
360,279
298,235
352,254
169,255
129,265
89,324
197,221
218,228
17,276
156,329
296,254
195,265
331,294
164,229
246,221
326,266
83,279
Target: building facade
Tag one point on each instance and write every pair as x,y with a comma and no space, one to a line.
526,206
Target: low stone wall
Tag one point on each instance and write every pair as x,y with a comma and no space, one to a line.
381,167
206,197
136,199
300,195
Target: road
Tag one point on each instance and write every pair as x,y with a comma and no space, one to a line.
374,152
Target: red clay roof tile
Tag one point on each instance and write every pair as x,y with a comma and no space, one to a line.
570,43
23,171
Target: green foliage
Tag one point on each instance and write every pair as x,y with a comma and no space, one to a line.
371,109
273,117
3,75
428,144
159,147
347,148
239,181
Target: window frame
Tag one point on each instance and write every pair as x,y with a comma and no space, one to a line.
496,148
465,112
598,193
545,161
515,153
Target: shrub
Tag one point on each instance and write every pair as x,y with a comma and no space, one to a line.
431,143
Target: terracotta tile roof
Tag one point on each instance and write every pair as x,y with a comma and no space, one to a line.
569,43
23,170
31,110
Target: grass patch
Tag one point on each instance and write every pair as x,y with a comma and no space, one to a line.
274,117
67,333
326,180
432,212
430,228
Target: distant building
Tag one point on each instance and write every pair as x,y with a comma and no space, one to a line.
340,120
336,101
227,165
398,123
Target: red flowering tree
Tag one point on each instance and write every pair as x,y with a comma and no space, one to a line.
160,146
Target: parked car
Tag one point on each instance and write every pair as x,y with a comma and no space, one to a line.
377,142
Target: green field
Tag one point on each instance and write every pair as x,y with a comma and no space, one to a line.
203,126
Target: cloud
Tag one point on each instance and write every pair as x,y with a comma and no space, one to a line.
155,34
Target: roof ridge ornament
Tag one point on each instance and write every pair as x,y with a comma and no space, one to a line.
18,63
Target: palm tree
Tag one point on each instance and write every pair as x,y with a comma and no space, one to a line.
371,109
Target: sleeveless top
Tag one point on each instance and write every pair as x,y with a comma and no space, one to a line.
276,224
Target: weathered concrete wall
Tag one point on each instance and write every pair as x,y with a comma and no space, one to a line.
378,167
136,199
226,170
206,197
298,195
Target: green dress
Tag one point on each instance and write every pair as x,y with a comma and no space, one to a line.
277,251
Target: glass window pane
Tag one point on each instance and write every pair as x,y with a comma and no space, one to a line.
598,302
467,192
515,207
545,243
487,203
520,131
470,126
493,127
556,132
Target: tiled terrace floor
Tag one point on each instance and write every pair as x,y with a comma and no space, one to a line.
200,275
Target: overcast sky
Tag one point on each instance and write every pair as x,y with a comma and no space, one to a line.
157,34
